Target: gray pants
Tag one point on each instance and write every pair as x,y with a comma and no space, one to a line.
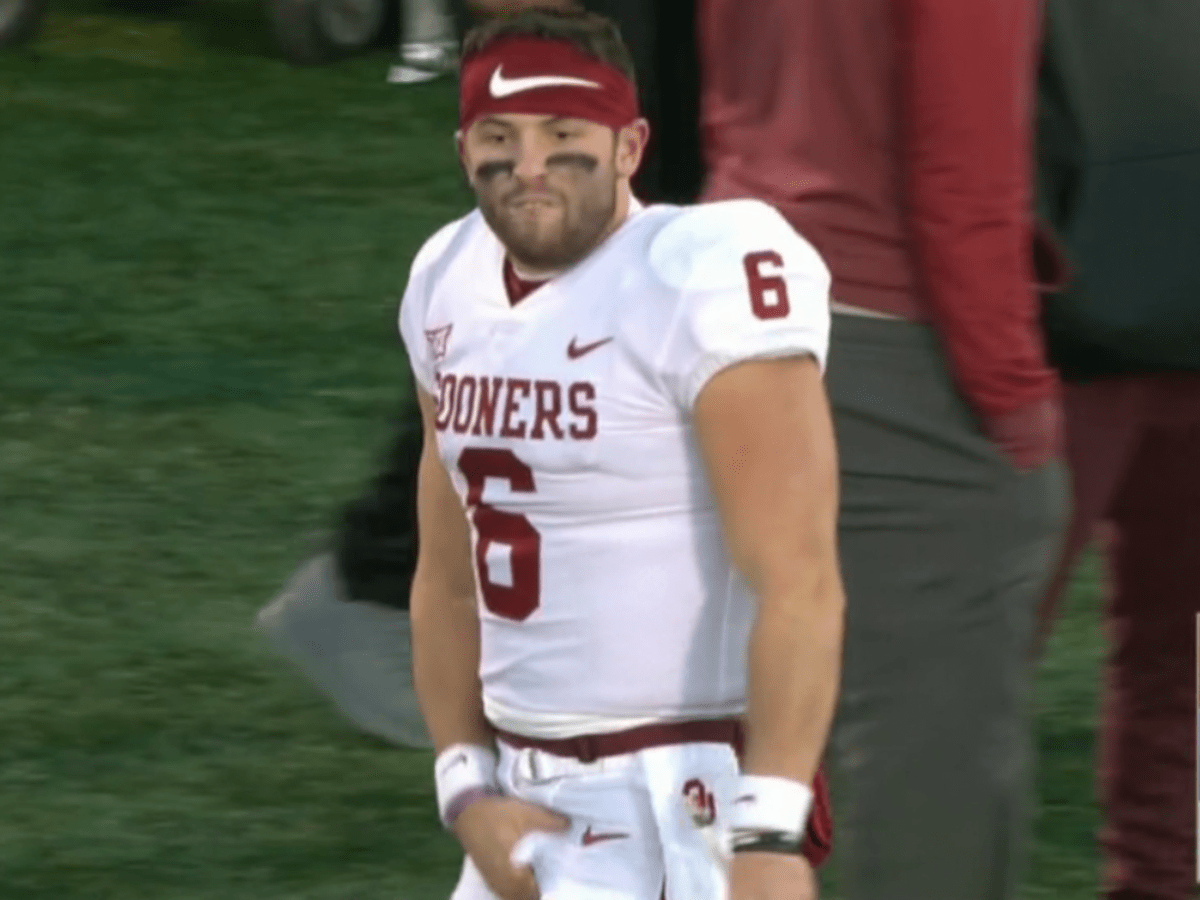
945,549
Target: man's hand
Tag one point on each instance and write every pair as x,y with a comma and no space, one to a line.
489,828
771,876
1032,436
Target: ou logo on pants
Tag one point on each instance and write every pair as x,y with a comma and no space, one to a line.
700,802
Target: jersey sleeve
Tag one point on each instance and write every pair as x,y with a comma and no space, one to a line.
418,342
748,287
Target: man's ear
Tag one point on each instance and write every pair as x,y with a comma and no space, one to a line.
461,156
461,151
631,147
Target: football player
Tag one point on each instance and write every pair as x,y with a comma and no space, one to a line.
342,617
627,609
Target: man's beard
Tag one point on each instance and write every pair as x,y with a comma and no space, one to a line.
577,236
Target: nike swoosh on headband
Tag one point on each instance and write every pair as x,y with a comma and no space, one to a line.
501,87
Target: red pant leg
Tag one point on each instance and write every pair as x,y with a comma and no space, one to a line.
818,841
1103,422
1148,736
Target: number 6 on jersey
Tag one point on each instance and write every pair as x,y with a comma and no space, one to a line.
492,526
764,285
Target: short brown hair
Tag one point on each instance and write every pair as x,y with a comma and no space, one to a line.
594,34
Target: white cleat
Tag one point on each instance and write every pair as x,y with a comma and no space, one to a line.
424,61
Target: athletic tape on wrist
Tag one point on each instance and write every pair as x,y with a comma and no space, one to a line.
766,842
763,803
463,773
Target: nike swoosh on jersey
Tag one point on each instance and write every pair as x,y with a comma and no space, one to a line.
501,87
574,351
589,837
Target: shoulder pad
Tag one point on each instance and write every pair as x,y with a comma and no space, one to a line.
437,245
704,246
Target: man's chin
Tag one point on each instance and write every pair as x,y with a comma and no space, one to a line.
542,257
540,250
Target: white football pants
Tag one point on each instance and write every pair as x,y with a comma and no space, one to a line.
637,822
426,20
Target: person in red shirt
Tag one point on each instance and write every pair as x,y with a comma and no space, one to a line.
896,136
1119,177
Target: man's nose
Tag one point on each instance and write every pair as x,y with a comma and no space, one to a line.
531,159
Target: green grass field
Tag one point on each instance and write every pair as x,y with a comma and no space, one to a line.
201,253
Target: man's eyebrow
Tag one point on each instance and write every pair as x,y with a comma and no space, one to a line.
498,123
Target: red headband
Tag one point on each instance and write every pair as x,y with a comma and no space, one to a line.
543,76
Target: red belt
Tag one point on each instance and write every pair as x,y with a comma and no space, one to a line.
591,747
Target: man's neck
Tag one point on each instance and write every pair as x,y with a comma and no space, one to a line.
625,204
526,274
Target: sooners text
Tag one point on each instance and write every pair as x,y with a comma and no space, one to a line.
516,407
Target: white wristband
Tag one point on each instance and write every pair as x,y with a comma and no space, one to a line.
463,772
766,803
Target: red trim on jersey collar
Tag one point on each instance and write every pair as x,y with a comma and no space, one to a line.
515,286
519,288
542,76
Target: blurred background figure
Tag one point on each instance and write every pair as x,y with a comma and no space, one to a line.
902,151
428,42
19,20
1119,165
342,618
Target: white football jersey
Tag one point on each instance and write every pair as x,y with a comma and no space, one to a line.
605,592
